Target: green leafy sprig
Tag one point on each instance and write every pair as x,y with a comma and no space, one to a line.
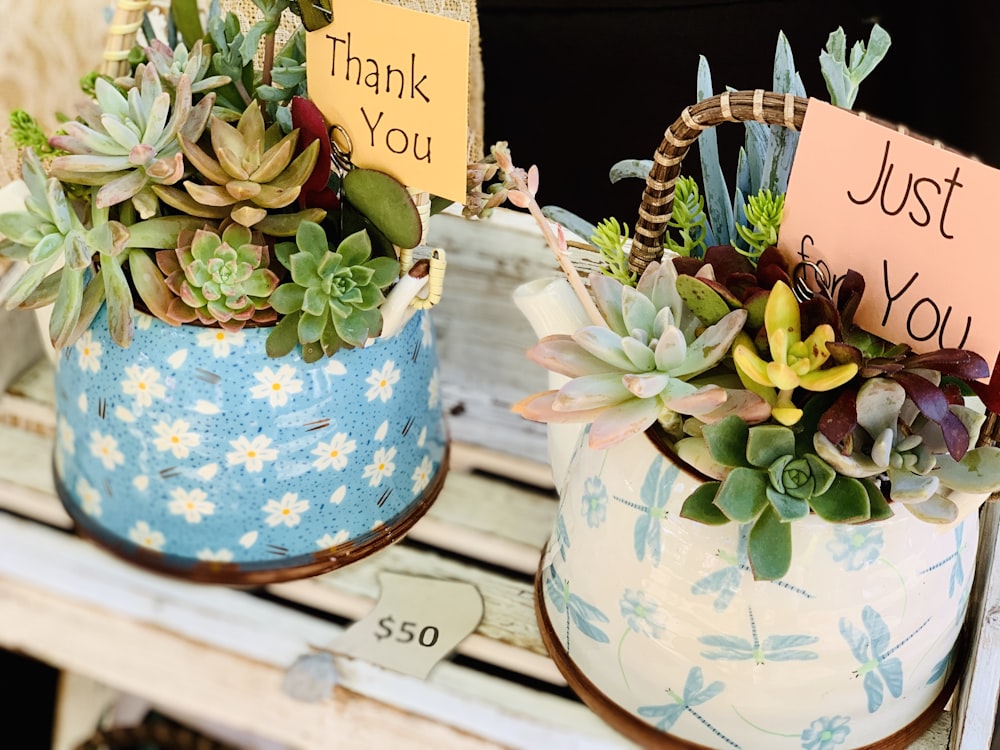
609,238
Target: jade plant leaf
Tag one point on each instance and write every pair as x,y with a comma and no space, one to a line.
384,201
769,546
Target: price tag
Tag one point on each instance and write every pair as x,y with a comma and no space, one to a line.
416,623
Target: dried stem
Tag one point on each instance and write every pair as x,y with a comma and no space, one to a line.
557,245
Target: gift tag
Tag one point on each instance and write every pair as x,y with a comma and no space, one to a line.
915,220
416,623
397,81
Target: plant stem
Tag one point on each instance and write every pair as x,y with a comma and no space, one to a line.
268,58
559,250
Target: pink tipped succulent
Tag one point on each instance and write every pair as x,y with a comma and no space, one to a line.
634,372
222,280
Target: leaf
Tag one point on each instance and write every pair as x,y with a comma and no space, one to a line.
184,14
575,224
630,169
717,199
283,337
767,443
702,299
699,505
845,502
743,495
769,547
384,201
727,440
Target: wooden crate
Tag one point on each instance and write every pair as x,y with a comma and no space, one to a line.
220,657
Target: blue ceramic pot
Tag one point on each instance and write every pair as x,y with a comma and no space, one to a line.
194,453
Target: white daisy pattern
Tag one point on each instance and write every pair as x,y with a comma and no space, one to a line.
333,455
381,467
88,352
105,447
434,390
329,541
425,329
382,381
144,384
218,555
422,475
220,341
288,510
67,438
145,536
251,453
175,437
192,504
90,498
276,386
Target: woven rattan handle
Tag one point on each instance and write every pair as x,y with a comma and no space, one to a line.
765,107
121,36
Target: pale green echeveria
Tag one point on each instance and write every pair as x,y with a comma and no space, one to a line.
894,442
174,63
57,248
636,371
130,142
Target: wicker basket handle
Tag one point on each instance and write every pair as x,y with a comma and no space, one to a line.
765,107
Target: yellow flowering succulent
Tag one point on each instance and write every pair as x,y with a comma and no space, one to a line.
795,362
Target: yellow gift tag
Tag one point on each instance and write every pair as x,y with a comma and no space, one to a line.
397,81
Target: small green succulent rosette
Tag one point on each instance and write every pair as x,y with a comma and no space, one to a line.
768,481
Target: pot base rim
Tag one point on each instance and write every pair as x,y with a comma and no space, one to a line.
262,572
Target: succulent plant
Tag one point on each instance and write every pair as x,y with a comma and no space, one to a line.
221,279
763,212
171,64
688,219
795,362
253,171
924,461
333,297
767,480
129,143
48,231
611,240
636,370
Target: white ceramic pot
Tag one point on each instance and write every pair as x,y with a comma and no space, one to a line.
659,625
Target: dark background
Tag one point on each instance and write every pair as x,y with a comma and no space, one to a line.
576,85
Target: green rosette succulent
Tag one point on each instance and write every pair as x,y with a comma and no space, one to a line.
333,298
219,279
767,480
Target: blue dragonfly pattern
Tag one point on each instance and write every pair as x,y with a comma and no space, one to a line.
772,648
941,668
653,497
577,611
695,694
957,576
876,661
726,581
